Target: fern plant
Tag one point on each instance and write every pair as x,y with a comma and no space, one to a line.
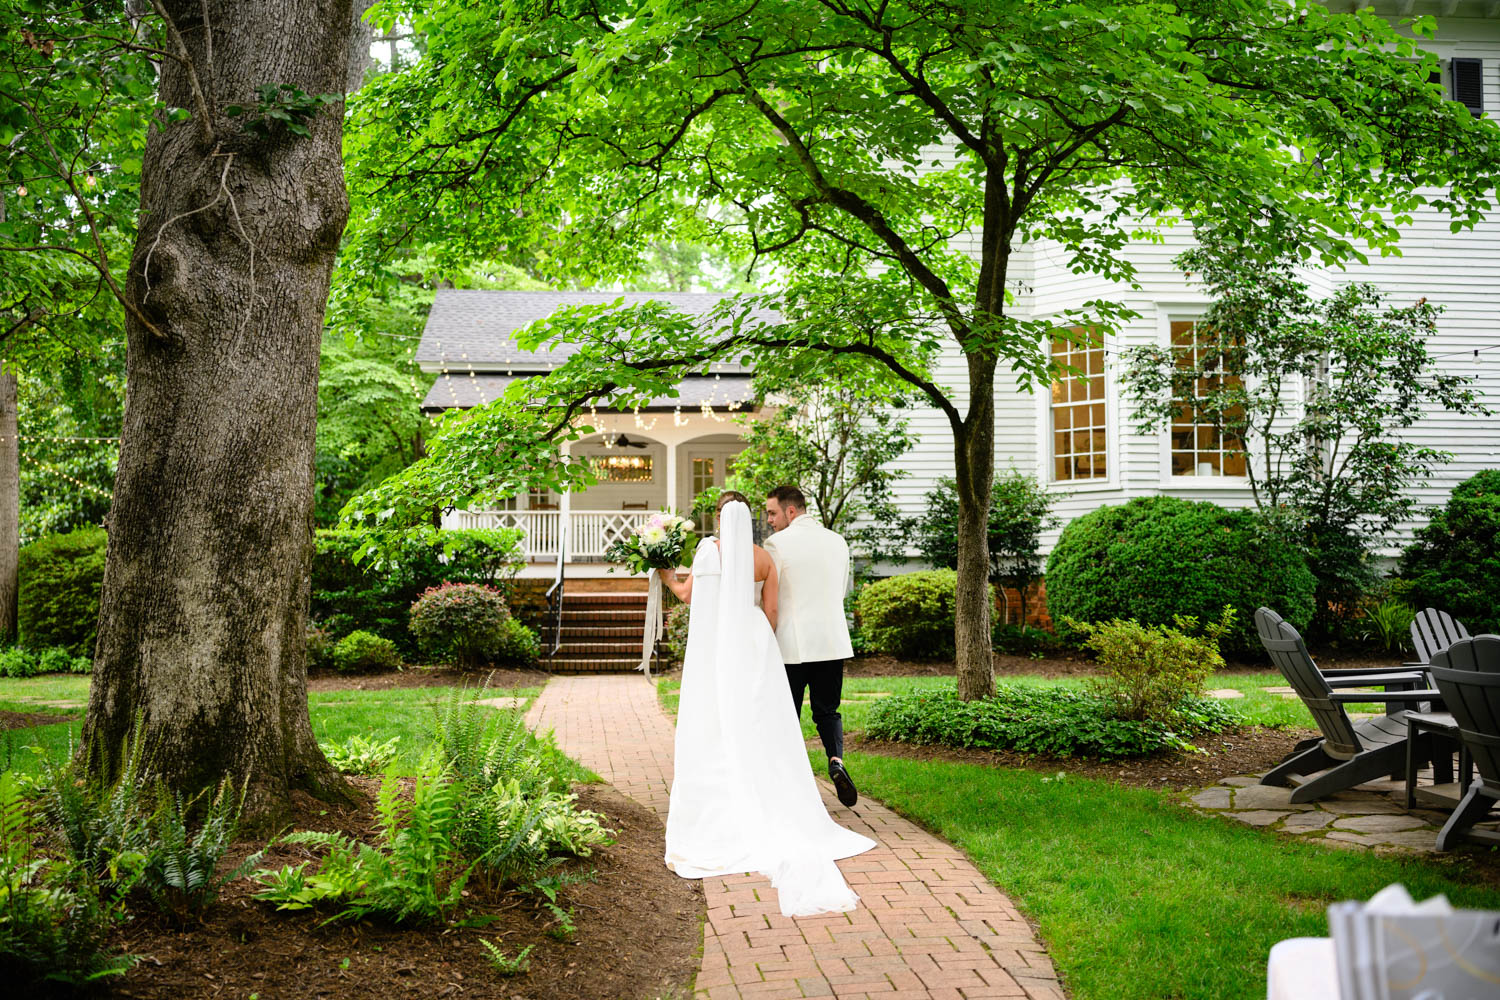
53,923
505,965
180,871
106,827
416,873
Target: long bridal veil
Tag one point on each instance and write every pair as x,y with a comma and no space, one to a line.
743,794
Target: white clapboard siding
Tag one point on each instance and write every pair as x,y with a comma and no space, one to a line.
1460,272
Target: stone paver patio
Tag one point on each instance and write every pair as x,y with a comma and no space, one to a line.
1373,815
929,925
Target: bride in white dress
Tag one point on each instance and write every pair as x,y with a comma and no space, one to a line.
743,794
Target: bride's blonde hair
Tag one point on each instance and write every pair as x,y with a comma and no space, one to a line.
728,496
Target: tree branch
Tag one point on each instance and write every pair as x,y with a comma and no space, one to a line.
205,121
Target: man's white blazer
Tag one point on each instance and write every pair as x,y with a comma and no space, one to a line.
812,566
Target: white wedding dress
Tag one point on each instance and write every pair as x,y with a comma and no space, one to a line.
743,794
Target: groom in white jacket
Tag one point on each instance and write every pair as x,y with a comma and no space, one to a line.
813,571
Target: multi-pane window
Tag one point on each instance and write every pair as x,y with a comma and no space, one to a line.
1080,435
703,475
1202,449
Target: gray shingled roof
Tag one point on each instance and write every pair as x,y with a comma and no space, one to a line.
460,389
475,327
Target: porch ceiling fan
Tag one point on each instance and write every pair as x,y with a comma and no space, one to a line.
624,442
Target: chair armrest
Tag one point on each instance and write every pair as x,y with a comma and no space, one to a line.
1404,668
1362,697
1362,680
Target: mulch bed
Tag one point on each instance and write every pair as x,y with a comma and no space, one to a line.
637,937
26,720
1244,750
417,677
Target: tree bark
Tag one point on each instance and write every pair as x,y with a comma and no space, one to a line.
10,506
206,583
974,473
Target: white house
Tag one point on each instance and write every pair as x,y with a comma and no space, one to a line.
660,456
1080,438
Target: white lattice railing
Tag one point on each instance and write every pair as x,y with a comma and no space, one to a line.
591,532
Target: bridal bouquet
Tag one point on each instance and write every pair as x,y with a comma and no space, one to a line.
663,541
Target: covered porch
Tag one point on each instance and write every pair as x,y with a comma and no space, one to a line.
644,462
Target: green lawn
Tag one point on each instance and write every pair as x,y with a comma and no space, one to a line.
1136,897
403,712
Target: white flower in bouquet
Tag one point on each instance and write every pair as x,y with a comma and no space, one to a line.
653,534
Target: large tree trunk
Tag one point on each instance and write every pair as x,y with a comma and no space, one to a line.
974,473
203,612
10,505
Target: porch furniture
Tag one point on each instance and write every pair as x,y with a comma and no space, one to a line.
635,506
1444,730
1468,675
1433,631
1349,753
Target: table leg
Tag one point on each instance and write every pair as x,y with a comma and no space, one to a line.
1411,765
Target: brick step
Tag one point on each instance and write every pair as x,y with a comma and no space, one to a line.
606,617
594,650
609,600
600,665
602,633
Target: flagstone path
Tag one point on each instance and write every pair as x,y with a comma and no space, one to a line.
929,925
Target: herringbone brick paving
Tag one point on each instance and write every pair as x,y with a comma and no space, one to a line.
929,925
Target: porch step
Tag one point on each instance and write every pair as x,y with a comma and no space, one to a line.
594,650
599,665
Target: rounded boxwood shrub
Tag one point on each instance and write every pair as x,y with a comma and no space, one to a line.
461,623
363,652
1454,563
1158,557
518,646
58,602
910,615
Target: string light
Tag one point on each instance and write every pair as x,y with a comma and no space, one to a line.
43,437
76,482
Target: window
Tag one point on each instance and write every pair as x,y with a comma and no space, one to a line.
621,468
1200,449
1467,77
703,475
1079,434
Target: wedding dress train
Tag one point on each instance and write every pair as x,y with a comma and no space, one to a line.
743,795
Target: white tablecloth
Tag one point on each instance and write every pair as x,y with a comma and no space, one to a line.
1302,969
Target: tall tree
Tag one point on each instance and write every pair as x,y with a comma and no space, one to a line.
242,205
853,137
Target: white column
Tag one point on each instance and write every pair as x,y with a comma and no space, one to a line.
672,491
565,511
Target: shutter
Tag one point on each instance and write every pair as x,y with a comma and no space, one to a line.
1468,86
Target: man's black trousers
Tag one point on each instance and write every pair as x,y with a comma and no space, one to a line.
824,680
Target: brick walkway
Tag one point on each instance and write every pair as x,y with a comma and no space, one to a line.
928,925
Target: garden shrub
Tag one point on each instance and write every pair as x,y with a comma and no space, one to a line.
19,661
676,635
1039,720
319,647
1158,557
1151,671
910,615
362,652
1025,640
58,599
1454,562
460,623
518,646
376,591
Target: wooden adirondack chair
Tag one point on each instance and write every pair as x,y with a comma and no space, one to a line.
1433,631
1349,753
1468,674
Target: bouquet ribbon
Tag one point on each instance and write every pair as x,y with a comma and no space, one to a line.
653,628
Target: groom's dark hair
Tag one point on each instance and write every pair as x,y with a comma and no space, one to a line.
788,496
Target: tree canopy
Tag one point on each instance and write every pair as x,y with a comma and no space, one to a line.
905,149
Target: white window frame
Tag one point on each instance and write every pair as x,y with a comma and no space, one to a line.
1112,481
1165,317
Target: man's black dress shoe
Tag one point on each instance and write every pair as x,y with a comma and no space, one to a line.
842,783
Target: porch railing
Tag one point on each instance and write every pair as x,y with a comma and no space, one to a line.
590,533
